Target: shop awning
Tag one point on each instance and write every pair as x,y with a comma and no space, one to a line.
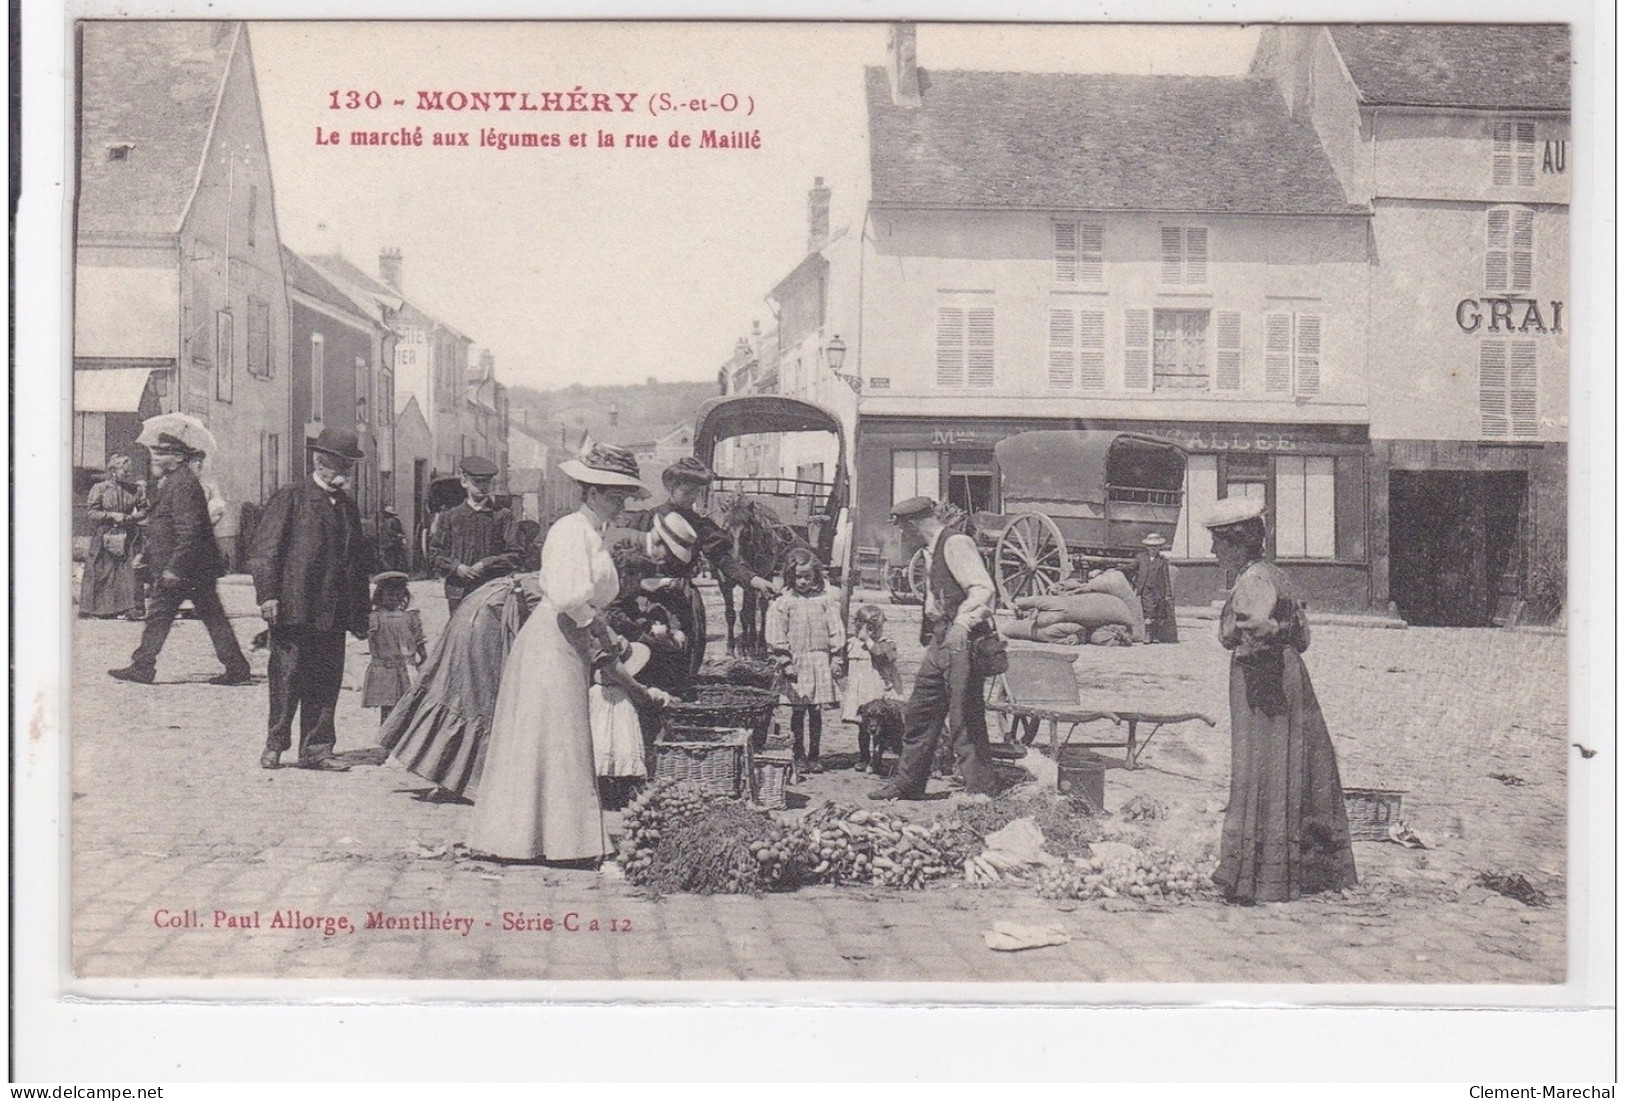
126,312
116,390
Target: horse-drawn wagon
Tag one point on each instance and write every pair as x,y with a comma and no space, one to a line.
770,513
1073,499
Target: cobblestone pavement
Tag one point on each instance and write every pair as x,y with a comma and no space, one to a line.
179,840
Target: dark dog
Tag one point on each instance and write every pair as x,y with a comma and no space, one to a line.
880,727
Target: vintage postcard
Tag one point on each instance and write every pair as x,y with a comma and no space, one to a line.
1080,506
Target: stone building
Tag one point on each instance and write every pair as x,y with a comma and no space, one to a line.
1458,139
180,301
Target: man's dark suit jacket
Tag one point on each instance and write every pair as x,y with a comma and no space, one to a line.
178,534
311,555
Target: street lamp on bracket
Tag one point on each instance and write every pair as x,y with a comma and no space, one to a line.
835,356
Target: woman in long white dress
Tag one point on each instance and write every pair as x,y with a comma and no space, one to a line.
539,791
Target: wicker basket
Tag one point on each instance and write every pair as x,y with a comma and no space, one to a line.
726,705
1371,811
750,672
715,764
770,779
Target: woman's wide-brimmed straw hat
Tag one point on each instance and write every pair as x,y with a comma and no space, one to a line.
606,465
690,469
1229,511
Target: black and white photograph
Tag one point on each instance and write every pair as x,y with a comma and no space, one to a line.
775,503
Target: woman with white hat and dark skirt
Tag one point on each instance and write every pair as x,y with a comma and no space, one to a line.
538,796
1286,833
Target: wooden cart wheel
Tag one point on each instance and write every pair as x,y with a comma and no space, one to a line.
918,567
1030,558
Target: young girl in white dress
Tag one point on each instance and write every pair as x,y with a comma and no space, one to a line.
871,663
612,710
805,631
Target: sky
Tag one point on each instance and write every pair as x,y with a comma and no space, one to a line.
614,265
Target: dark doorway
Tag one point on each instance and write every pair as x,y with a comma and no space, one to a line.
970,480
1455,545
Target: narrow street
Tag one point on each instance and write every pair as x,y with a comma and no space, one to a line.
180,839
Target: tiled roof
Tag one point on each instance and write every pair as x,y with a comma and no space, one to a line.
303,276
340,268
1458,65
1035,141
153,84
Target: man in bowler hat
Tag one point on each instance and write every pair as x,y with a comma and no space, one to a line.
311,564
475,541
185,562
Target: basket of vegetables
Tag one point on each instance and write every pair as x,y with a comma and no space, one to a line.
743,671
726,705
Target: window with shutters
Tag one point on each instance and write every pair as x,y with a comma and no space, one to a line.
224,346
259,338
1179,359
1184,256
1509,249
1077,349
1513,159
1292,343
1508,380
964,347
1136,349
1079,252
1227,364
318,372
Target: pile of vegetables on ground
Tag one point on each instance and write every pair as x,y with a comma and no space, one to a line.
678,839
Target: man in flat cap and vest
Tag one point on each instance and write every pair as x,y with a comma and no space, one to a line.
475,541
958,608
311,562
185,562
690,535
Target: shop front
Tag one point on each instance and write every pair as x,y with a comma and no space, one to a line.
1470,534
1314,480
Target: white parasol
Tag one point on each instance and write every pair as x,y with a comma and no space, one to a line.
187,429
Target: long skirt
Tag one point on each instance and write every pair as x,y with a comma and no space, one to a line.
539,794
109,587
440,728
1286,832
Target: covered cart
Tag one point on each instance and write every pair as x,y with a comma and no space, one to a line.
1074,498
814,510
1071,499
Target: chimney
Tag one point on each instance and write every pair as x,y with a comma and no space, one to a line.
389,267
901,66
817,215
614,414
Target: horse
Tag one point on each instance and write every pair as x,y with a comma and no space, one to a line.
763,544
